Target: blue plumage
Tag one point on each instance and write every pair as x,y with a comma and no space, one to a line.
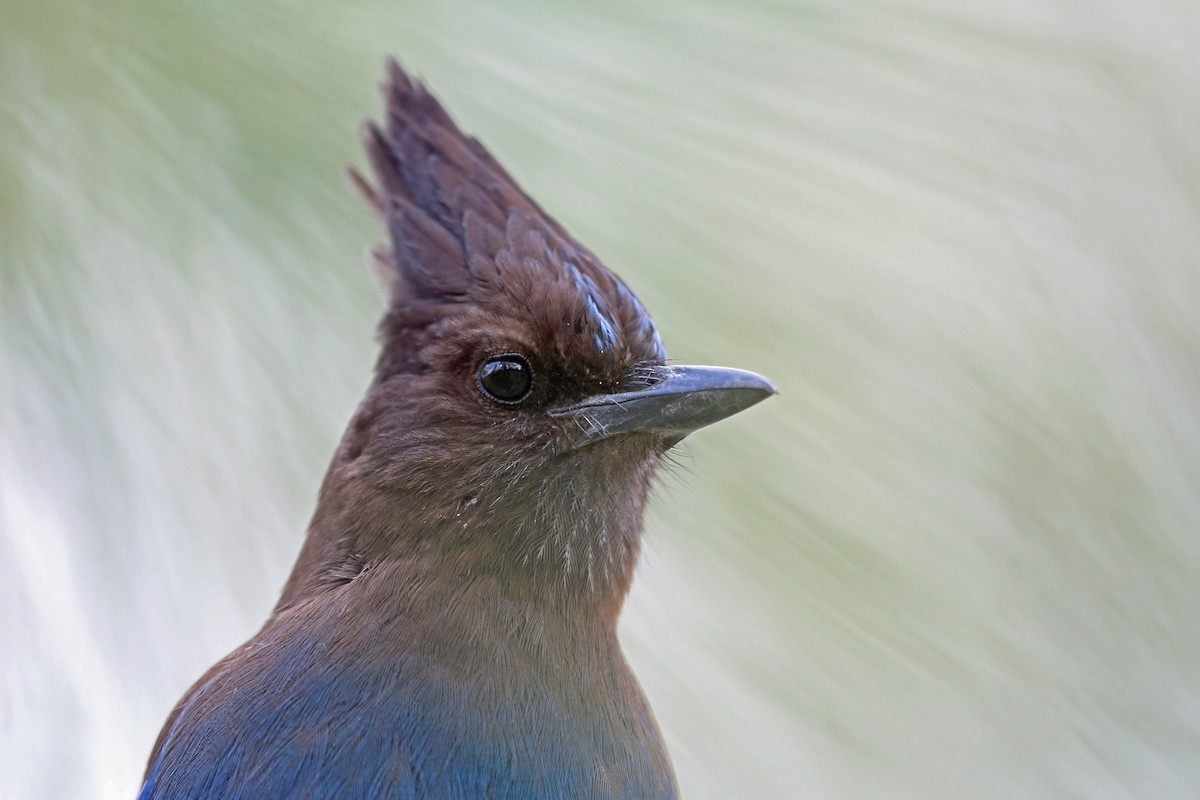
306,711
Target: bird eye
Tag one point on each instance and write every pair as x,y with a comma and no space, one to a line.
506,379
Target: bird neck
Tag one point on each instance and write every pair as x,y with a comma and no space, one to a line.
567,547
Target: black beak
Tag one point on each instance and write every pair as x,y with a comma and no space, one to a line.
685,399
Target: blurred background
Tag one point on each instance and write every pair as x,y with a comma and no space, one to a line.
958,557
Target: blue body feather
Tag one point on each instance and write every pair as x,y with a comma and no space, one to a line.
308,714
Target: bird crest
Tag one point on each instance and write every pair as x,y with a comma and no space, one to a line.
463,234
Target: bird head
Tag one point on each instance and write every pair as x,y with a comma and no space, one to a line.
522,399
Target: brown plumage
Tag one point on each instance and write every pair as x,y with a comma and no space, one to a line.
449,629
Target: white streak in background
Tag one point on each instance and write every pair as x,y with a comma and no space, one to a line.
55,657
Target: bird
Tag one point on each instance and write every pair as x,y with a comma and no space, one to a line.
449,628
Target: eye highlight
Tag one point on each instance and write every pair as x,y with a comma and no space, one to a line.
505,378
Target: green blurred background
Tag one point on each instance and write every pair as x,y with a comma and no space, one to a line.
958,557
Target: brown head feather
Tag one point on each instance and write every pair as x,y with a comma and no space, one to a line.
463,232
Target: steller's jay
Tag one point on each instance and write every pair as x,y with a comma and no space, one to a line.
449,629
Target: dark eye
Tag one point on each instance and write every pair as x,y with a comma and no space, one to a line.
505,379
